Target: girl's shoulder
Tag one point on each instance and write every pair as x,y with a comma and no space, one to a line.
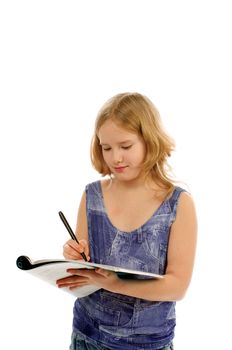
99,184
182,197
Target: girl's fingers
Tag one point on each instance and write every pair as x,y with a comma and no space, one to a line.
71,281
72,250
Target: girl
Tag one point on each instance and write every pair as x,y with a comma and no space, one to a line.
137,218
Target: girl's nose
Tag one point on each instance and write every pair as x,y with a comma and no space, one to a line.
118,158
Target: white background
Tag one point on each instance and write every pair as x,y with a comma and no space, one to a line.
60,61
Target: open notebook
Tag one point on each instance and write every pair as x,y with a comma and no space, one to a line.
50,270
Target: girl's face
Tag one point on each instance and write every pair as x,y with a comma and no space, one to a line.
123,151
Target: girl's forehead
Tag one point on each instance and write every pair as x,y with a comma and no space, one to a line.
111,130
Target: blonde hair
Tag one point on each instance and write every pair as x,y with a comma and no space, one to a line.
136,113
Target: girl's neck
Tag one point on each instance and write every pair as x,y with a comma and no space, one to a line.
135,184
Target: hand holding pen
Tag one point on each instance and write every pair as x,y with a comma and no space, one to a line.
66,224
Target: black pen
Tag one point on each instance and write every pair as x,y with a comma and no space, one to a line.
66,224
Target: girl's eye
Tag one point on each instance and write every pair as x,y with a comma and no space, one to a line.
127,147
123,147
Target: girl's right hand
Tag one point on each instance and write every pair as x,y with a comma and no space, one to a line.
72,250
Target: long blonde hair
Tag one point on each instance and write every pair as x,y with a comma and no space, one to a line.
136,113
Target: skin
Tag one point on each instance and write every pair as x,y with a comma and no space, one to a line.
124,152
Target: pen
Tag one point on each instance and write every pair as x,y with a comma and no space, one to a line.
66,224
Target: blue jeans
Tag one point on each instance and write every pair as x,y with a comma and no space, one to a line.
79,343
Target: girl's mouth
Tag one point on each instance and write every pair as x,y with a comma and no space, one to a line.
120,169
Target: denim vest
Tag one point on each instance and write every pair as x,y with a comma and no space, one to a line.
118,321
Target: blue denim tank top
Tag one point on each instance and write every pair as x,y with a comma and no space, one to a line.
117,321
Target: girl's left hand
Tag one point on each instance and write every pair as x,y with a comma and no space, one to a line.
82,277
